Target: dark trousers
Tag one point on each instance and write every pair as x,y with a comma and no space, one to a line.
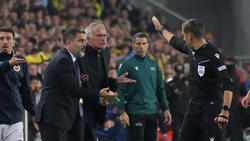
143,127
90,133
199,125
52,133
176,126
235,129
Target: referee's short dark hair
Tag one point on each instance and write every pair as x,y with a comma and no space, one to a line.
70,34
194,26
7,29
139,35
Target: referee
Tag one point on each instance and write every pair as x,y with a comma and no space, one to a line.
208,109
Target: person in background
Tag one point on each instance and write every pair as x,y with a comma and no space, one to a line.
177,91
112,128
235,129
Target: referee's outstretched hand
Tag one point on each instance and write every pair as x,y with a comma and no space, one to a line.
156,23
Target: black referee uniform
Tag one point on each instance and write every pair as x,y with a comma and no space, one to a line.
209,79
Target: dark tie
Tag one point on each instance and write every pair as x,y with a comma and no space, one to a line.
77,73
80,100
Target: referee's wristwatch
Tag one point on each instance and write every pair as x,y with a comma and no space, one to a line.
161,30
225,108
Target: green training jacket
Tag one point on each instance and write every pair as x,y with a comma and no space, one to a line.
148,87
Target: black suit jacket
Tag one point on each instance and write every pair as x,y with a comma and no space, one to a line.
59,101
94,111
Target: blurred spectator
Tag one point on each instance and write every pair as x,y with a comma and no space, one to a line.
177,91
124,18
46,53
235,130
169,72
134,13
33,57
29,45
112,129
4,14
109,6
210,37
96,7
158,54
36,93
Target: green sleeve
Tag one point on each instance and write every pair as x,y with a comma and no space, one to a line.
161,94
122,89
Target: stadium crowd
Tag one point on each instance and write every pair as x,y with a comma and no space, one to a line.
39,27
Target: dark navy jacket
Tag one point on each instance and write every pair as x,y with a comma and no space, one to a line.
15,93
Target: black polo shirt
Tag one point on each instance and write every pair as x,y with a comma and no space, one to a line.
209,77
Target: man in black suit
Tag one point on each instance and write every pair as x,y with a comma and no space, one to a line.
95,65
58,113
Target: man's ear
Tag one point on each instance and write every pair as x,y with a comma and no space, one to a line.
68,42
88,38
132,45
14,42
190,36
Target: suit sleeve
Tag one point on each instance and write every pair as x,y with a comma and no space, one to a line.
161,94
112,84
28,101
122,89
65,72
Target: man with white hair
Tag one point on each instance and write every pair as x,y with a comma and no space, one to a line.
94,68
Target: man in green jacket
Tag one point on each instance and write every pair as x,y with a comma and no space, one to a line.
138,101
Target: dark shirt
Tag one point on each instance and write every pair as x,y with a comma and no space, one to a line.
96,68
15,91
209,75
177,102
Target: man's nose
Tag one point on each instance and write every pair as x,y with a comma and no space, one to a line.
141,46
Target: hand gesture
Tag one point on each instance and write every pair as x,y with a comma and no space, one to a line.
84,78
167,117
156,23
16,61
246,100
124,119
109,124
104,102
123,80
105,92
222,119
35,124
